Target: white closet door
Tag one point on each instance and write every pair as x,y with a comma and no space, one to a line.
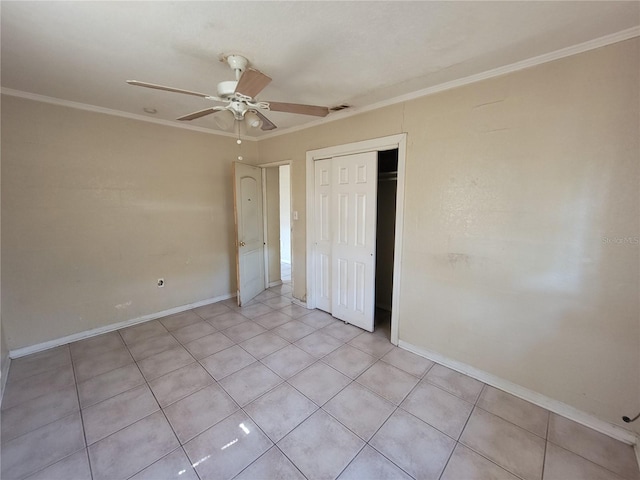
322,219
353,228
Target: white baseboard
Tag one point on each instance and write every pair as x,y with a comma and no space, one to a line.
21,352
550,404
275,284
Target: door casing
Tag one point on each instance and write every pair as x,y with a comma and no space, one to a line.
398,141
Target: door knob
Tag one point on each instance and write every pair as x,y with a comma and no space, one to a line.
242,244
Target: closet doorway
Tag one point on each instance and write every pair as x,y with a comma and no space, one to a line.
355,201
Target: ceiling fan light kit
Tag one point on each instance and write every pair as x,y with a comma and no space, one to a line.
239,95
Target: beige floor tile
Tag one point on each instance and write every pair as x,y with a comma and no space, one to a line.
52,442
193,332
109,384
460,385
180,383
264,344
73,467
468,465
227,448
417,448
232,303
407,361
205,346
244,331
277,302
255,310
333,446
317,319
293,331
212,310
175,466
40,411
295,311
561,464
132,449
280,411
597,447
359,409
265,295
388,381
226,320
34,386
96,345
369,464
341,331
272,319
107,417
164,362
197,412
38,363
249,383
318,344
513,448
319,382
374,345
227,361
438,408
91,366
151,346
515,410
273,465
349,360
142,331
288,361
179,320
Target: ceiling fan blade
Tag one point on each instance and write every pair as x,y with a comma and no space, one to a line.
200,113
252,82
167,89
299,108
266,123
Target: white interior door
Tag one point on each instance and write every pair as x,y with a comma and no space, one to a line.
353,224
249,231
323,241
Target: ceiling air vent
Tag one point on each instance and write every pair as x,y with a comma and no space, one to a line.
337,108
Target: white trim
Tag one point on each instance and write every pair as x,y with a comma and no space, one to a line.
275,284
495,72
543,401
116,113
21,352
398,141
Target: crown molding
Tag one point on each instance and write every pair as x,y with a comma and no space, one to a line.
117,113
478,77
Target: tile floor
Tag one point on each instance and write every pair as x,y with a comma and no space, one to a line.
273,391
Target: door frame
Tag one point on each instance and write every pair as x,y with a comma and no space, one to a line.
264,166
390,142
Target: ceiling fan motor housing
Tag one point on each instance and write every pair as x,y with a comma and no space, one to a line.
227,89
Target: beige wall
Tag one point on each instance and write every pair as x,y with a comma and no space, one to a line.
513,186
96,208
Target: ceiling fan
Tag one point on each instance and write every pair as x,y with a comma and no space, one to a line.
239,95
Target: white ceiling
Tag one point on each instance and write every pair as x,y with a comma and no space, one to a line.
323,53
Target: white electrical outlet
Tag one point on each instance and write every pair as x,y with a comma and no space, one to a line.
160,282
